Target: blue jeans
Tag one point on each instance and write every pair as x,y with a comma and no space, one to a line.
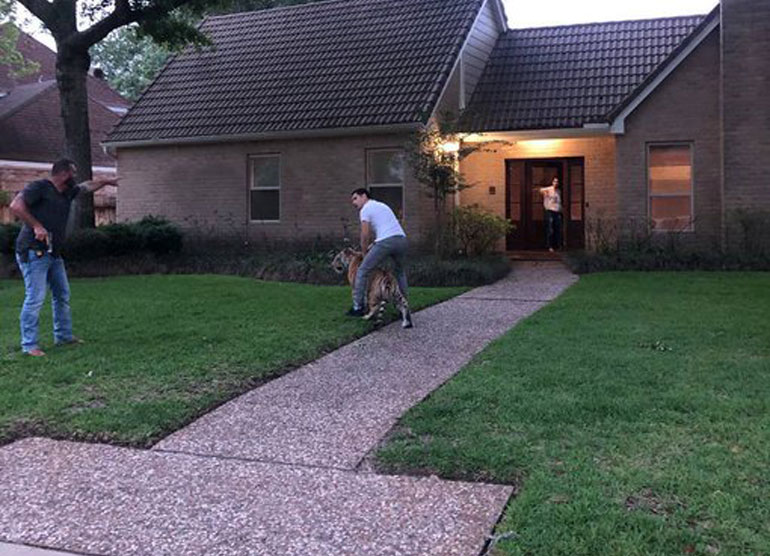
552,229
39,272
394,247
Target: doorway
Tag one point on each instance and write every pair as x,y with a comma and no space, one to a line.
524,204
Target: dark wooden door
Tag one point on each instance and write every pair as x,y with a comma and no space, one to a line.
574,201
524,204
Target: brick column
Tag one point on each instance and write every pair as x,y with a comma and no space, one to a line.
745,38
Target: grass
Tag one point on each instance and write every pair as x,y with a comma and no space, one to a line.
162,350
633,414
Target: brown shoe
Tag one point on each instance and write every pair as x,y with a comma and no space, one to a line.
35,353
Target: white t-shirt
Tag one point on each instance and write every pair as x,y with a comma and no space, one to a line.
551,199
382,220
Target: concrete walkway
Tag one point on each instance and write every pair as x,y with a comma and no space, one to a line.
276,471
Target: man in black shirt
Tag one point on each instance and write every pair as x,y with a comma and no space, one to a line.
44,207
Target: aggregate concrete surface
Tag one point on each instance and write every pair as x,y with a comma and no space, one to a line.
275,470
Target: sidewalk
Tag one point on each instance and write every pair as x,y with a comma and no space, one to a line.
276,471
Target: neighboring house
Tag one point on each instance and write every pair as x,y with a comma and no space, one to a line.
32,133
656,125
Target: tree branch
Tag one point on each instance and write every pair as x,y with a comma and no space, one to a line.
123,15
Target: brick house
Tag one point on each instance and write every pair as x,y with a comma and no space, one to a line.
32,132
655,125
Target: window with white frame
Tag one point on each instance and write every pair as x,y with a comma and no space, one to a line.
265,188
669,175
385,177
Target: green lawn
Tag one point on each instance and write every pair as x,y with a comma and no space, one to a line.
161,350
633,414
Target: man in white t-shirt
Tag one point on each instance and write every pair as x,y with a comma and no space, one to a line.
381,237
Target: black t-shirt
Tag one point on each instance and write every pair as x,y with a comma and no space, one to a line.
52,209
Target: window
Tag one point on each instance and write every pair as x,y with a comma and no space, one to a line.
669,171
265,188
385,177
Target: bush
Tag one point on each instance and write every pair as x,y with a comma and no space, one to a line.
8,233
631,245
159,236
477,231
124,238
151,234
88,243
430,271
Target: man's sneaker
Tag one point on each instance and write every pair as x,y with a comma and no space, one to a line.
353,312
37,352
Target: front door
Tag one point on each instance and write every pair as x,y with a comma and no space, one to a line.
524,204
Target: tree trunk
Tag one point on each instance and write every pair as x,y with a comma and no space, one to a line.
71,71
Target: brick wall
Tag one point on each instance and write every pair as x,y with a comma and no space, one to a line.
745,28
206,188
684,107
487,169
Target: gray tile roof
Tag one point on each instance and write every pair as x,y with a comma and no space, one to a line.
560,77
340,63
21,95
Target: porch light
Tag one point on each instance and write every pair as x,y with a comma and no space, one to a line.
450,147
540,143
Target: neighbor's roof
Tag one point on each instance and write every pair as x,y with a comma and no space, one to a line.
21,95
561,77
334,64
31,49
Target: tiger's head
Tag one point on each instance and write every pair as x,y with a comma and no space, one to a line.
343,259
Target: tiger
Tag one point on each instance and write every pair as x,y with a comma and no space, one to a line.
382,288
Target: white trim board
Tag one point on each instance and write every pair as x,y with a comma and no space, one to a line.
503,28
618,125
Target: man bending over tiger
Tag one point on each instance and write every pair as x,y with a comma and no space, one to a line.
381,237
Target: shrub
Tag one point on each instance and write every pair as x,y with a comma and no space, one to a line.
124,238
88,243
159,236
8,233
151,234
431,271
477,231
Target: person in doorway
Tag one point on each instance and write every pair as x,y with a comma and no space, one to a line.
553,214
44,206
381,237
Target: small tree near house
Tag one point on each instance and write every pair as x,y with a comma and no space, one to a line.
435,157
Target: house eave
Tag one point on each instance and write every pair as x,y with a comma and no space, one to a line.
44,166
588,130
266,136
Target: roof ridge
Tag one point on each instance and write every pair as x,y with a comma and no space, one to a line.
280,8
647,19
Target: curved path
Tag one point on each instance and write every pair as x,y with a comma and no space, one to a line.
276,471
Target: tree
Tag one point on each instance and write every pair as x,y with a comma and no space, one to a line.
129,62
435,155
9,36
169,23
159,19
